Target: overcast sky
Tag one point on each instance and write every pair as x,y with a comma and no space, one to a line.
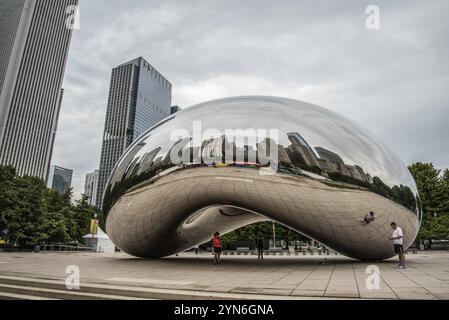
393,81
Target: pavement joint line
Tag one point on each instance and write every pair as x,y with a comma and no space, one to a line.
296,288
356,283
150,281
286,275
386,283
419,286
329,280
431,275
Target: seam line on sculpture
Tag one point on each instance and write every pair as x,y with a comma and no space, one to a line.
234,179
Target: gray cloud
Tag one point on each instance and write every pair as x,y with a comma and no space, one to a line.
392,81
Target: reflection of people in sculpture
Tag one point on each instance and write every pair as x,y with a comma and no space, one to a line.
397,238
370,217
216,240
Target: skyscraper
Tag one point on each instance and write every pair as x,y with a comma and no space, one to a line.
300,151
91,186
139,97
60,179
34,42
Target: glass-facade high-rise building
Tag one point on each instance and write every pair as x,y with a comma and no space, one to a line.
139,97
91,187
34,42
60,179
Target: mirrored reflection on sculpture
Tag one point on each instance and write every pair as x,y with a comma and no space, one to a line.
224,164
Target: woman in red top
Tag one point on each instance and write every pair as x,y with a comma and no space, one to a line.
217,247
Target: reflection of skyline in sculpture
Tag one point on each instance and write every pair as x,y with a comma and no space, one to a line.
298,158
300,152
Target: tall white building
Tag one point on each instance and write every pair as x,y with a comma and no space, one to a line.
91,186
34,42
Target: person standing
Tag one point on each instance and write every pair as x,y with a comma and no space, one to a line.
260,248
398,243
216,240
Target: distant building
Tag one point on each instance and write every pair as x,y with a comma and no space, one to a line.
91,186
331,162
212,150
34,45
139,98
329,156
327,166
60,179
175,109
264,149
362,174
300,151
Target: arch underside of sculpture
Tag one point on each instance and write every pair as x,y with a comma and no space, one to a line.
198,202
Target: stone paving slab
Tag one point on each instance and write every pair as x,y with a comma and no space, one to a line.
427,275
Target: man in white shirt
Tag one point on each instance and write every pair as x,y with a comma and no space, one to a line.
398,243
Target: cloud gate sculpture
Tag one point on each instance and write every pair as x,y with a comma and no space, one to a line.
224,164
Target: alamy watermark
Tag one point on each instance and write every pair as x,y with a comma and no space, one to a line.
72,282
251,146
373,20
373,280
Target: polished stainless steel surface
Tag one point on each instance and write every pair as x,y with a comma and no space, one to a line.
224,164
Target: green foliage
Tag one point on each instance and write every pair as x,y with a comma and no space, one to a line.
428,181
262,230
32,214
434,193
435,228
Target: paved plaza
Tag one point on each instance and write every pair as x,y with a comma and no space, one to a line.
427,276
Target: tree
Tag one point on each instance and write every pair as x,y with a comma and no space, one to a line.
8,198
434,193
32,214
82,214
25,227
428,181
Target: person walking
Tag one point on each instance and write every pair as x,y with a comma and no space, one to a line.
260,248
216,240
398,243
